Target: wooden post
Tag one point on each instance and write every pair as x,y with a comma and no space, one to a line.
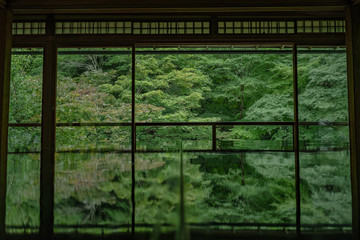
48,136
353,63
133,138
296,141
5,62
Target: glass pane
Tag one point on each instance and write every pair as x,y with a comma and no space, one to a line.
324,140
23,193
178,84
26,85
93,139
275,138
23,180
157,192
167,138
92,188
94,85
24,139
24,143
323,95
325,178
240,191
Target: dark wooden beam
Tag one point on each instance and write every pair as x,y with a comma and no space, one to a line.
5,61
207,234
2,4
199,15
170,6
19,11
353,58
48,124
128,40
171,3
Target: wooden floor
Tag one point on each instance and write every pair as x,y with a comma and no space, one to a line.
197,235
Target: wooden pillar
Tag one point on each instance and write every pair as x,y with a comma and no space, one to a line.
5,61
296,141
133,138
353,58
48,136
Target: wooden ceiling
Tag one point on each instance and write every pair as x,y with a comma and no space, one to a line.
169,6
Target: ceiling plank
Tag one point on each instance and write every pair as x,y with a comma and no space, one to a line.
173,10
143,6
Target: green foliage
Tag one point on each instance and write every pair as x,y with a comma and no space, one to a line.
95,188
323,88
25,89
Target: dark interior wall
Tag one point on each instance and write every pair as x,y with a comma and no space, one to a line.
5,50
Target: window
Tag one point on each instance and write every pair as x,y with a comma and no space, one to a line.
215,139
24,142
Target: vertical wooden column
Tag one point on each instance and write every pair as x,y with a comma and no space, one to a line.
296,140
5,61
214,30
48,136
353,63
133,139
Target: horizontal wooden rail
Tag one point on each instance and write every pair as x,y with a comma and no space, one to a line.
205,224
218,151
154,124
159,52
